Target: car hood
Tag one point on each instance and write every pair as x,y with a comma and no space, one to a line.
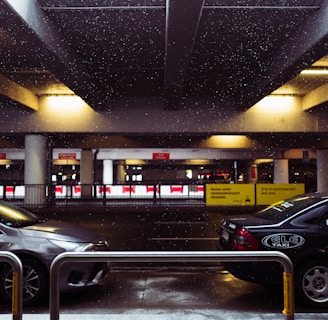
59,230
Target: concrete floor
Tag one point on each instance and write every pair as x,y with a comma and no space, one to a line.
185,314
148,296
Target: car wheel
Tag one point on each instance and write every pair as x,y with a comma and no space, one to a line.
311,283
35,282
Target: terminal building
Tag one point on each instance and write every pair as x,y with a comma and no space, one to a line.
149,98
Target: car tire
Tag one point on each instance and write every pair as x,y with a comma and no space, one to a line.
311,283
35,282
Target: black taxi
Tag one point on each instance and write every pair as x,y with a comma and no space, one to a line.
297,227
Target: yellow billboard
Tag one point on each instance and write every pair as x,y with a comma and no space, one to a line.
250,194
230,194
270,193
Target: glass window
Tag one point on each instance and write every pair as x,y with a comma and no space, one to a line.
12,216
287,208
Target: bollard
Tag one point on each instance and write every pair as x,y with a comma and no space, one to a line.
173,256
17,293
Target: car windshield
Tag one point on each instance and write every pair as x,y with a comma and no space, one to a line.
15,217
285,209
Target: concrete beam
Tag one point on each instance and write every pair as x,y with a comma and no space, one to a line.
315,97
18,93
58,58
182,19
304,47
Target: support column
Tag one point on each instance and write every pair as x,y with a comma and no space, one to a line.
108,172
35,171
322,170
121,173
86,173
281,173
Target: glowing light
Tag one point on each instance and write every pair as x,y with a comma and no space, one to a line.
65,104
260,161
228,141
322,72
65,112
278,104
189,173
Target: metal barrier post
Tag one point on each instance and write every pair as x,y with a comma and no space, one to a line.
173,256
17,291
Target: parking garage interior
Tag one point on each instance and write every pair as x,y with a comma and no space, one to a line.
164,91
104,98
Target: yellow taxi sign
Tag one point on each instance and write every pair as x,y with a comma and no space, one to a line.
230,194
270,193
250,194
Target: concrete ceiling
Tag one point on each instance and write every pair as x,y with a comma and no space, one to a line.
237,51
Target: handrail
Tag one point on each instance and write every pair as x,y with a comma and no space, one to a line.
17,292
173,256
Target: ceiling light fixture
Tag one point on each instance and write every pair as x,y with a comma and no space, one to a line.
315,72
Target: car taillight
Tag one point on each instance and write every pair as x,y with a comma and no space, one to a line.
244,240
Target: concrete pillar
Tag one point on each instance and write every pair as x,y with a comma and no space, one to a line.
86,173
322,170
120,173
108,172
35,172
281,173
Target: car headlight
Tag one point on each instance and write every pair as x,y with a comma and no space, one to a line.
69,246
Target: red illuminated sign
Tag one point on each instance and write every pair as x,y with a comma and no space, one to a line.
161,156
253,172
3,156
67,156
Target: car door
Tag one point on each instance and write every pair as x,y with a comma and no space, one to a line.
314,226
7,238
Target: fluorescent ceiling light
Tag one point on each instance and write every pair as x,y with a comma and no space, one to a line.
315,72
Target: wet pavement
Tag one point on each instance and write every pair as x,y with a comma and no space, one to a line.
178,295
163,292
190,314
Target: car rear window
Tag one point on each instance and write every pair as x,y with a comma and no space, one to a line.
287,208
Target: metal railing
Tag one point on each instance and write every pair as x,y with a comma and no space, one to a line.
173,256
17,288
101,194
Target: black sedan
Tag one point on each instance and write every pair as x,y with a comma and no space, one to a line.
297,227
37,241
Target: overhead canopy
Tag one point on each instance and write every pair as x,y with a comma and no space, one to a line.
235,51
